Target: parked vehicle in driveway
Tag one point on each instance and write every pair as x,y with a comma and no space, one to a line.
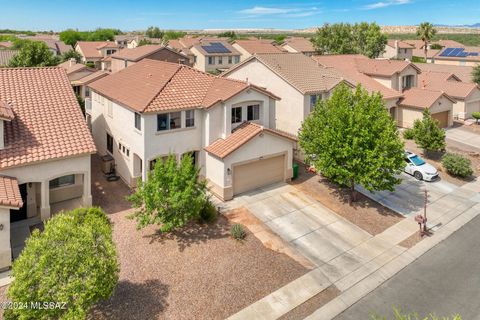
418,168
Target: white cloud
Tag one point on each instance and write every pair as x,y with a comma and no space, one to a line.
277,11
388,3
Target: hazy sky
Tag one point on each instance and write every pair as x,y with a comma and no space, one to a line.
200,14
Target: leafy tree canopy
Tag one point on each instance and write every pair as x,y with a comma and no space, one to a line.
426,32
34,54
73,260
71,36
72,54
427,133
171,196
476,74
228,34
154,32
344,38
172,35
351,139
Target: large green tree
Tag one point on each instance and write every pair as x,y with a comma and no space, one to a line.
427,133
172,195
426,32
72,54
73,261
34,54
344,38
71,36
154,32
476,74
351,139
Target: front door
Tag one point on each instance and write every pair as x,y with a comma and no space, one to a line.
20,214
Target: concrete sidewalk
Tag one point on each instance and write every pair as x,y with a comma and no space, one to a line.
465,138
362,268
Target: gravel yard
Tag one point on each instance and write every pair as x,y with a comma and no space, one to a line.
197,273
365,213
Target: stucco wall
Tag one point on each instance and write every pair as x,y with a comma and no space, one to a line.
244,53
289,111
406,115
5,249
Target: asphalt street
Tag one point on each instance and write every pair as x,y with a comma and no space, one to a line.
444,281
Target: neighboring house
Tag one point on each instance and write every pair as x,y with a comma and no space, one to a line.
56,46
247,48
395,78
154,108
183,45
395,49
415,100
45,151
214,56
128,40
96,51
80,75
467,95
6,44
294,77
462,72
460,56
6,56
299,44
431,53
127,57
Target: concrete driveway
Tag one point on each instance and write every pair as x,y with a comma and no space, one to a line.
316,232
463,138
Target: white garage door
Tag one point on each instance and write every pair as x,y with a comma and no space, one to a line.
257,174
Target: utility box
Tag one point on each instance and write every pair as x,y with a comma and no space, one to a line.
107,163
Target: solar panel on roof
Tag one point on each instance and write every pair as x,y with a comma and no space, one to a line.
446,52
473,54
216,47
455,52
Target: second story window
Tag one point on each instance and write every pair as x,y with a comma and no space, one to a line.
220,60
314,100
138,121
407,82
237,115
169,121
211,60
253,112
230,59
237,59
189,118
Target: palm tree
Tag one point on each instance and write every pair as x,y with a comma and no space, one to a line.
426,31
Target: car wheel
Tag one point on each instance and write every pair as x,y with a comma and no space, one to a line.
418,175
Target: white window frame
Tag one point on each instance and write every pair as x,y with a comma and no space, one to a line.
232,120
190,117
169,119
137,120
255,110
211,60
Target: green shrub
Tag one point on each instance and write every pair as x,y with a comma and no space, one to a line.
476,116
457,165
400,315
208,213
237,232
409,134
436,46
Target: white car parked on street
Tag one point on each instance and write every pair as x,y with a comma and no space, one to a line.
418,168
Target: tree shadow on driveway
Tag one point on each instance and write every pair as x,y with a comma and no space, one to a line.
134,301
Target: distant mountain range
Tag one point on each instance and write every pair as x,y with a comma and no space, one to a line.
476,25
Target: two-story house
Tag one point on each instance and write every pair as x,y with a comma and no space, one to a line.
153,108
249,47
296,78
396,49
45,150
96,52
214,56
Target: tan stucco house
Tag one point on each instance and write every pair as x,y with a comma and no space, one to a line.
299,80
153,108
80,75
45,149
299,45
214,56
96,52
458,56
127,57
249,47
396,49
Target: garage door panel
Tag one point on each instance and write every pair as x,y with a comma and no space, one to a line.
442,117
257,174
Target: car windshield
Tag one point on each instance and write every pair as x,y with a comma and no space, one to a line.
417,160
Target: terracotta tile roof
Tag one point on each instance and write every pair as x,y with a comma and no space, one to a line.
418,44
258,46
48,123
300,44
107,44
467,58
382,68
91,77
421,53
450,43
199,47
72,67
462,72
91,49
152,86
10,193
298,70
6,111
241,135
139,53
401,44
6,56
6,44
437,81
421,98
346,65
